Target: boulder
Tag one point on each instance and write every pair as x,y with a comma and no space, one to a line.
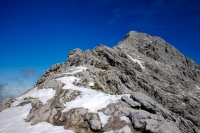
152,123
146,102
132,103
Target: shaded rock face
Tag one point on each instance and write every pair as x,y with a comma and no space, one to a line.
163,87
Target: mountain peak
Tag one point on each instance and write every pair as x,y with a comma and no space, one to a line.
141,85
154,47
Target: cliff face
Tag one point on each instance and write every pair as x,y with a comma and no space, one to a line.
141,85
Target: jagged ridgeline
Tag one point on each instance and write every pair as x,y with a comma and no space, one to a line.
142,85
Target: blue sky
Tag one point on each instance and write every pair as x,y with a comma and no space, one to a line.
35,34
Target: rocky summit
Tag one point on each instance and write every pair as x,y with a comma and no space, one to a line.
141,85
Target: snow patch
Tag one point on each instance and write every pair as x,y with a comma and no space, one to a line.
183,103
76,70
91,83
125,129
197,87
104,118
138,61
91,99
12,121
68,81
126,119
156,63
42,94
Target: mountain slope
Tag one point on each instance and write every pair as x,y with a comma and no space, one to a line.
141,85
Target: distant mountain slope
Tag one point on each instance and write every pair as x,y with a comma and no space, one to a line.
141,85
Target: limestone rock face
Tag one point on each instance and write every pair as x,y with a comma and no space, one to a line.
6,103
156,89
148,64
146,102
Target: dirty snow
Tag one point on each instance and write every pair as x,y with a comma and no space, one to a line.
12,121
138,61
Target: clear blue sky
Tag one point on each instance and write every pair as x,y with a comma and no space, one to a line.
35,34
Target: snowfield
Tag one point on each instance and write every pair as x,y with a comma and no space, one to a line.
42,94
12,119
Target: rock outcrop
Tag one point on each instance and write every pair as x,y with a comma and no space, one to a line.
158,88
6,103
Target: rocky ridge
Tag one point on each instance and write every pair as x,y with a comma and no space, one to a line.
148,87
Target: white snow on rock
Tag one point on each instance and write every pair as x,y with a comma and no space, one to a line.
138,61
12,121
42,94
197,87
91,99
157,63
125,129
91,83
104,118
76,70
126,119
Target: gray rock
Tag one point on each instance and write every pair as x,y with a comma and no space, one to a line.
51,84
94,121
136,121
132,103
74,57
147,122
146,102
95,125
51,111
75,119
6,103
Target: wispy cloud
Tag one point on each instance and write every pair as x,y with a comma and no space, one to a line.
152,15
117,10
158,4
26,73
133,12
17,83
142,12
116,15
100,3
3,92
150,10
